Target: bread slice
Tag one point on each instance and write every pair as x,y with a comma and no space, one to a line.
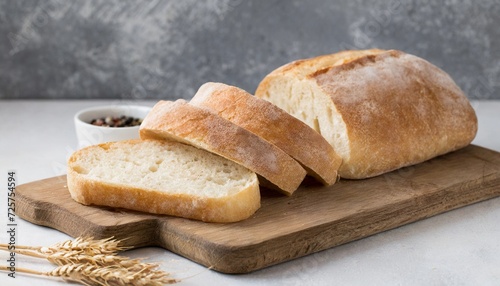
180,121
273,124
380,110
163,177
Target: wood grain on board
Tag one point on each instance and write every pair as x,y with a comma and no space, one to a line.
314,218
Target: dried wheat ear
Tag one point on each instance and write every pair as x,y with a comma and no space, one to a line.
93,262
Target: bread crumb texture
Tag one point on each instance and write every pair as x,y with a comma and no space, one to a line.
168,167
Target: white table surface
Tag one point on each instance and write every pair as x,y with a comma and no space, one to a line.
460,247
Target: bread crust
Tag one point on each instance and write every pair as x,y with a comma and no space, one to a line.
273,124
87,191
398,109
189,124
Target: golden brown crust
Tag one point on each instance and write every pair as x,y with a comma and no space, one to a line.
274,125
301,69
399,109
193,125
231,208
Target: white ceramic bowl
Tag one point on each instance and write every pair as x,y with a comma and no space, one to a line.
89,134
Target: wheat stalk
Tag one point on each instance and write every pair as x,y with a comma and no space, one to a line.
88,245
88,274
72,257
63,256
103,261
94,262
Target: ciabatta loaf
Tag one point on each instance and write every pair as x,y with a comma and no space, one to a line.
380,110
163,177
183,122
273,124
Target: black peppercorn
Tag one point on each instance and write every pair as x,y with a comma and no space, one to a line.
119,121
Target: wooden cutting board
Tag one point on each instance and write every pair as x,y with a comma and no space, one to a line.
284,228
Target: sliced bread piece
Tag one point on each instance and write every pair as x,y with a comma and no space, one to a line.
180,121
273,124
163,177
381,110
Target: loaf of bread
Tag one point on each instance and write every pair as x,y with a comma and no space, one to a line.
273,124
380,110
163,177
186,123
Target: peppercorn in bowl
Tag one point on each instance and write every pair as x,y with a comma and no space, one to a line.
109,123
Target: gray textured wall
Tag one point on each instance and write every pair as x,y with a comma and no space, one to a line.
167,49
